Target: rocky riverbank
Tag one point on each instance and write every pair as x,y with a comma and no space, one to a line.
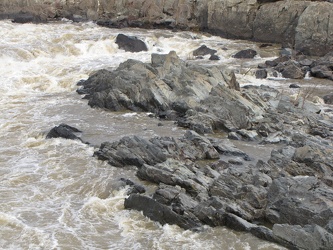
205,180
302,25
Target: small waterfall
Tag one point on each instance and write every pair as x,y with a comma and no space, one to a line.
307,75
276,76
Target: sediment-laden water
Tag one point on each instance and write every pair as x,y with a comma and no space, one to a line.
54,194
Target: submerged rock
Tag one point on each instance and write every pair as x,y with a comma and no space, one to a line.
64,131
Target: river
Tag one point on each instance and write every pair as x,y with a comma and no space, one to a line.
54,194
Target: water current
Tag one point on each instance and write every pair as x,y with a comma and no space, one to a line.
54,194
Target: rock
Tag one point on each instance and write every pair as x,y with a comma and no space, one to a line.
261,74
158,87
64,131
309,237
214,58
224,16
247,53
294,86
204,50
286,53
306,62
270,63
248,134
159,212
317,16
291,71
328,99
234,136
322,71
135,188
130,43
300,200
277,21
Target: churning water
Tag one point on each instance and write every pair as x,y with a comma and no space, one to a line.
54,194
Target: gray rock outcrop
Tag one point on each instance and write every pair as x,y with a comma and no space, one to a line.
173,89
208,181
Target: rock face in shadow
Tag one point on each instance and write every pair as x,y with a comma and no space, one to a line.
173,89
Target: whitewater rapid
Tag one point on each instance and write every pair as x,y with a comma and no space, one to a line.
54,194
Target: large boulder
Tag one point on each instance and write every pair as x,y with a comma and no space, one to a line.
130,43
172,89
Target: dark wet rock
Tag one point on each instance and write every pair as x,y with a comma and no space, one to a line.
261,74
271,63
246,54
294,187
64,131
265,45
130,43
214,58
204,50
294,86
328,99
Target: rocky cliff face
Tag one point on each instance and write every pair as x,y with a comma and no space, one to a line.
306,26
